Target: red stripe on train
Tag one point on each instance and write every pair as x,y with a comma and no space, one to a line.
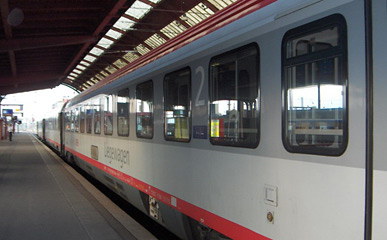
220,224
53,142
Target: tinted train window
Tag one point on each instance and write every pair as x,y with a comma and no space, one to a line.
234,95
177,105
68,121
97,116
89,118
144,114
315,87
76,120
82,119
123,112
108,115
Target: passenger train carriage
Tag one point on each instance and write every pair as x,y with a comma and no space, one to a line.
258,129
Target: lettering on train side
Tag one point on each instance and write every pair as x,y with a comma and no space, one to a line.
117,155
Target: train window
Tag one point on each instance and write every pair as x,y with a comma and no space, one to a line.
144,114
108,115
89,118
314,83
123,112
76,120
234,96
97,116
68,121
82,117
177,105
72,118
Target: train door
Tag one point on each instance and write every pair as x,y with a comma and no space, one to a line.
44,129
61,133
379,173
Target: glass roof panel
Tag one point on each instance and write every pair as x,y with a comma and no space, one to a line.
105,43
173,29
138,9
155,40
130,57
114,34
85,63
219,4
90,58
80,67
96,51
142,49
119,63
124,24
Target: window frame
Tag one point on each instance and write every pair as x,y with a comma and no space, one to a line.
82,119
117,109
97,113
166,137
89,118
152,116
340,52
108,108
228,142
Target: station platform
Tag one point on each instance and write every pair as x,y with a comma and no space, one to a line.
41,197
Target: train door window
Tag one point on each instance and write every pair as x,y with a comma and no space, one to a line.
315,87
76,120
144,114
89,118
72,117
68,121
234,98
108,115
177,105
97,116
82,118
123,112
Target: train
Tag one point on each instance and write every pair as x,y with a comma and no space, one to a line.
271,126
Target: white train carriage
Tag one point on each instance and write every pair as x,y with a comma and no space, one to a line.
54,128
260,129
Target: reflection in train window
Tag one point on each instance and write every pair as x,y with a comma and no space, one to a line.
123,112
97,116
144,114
177,105
315,87
68,121
108,115
89,118
82,119
234,97
76,120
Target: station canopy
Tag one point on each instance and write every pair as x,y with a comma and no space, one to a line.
77,43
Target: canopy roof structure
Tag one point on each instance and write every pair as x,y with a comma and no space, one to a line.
44,43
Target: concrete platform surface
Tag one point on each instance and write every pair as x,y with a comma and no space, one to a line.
42,198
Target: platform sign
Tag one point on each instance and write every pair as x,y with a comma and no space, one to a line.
7,112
